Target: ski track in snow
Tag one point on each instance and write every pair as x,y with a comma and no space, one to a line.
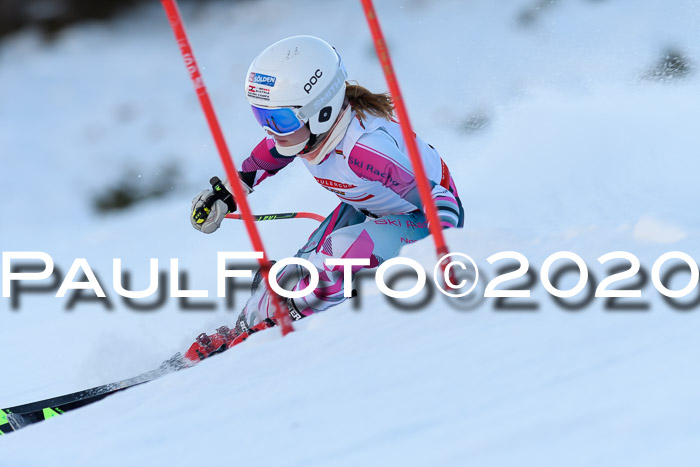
578,153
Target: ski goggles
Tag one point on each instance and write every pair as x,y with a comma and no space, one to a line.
281,120
285,120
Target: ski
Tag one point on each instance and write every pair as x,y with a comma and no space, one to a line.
17,417
14,418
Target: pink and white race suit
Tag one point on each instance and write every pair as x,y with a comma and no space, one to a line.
379,211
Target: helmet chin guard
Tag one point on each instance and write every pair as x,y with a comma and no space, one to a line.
301,72
291,151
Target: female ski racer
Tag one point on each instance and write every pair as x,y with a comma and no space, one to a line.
347,138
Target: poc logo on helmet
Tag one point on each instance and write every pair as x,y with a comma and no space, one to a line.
313,80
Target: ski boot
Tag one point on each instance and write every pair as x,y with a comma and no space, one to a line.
223,339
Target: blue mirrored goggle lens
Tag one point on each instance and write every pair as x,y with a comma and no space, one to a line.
281,121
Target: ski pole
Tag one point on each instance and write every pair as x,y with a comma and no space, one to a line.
220,192
175,19
280,216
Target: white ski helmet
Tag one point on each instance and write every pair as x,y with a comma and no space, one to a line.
302,74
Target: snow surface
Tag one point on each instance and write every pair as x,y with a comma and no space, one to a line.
577,152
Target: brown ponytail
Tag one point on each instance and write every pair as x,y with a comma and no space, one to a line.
364,101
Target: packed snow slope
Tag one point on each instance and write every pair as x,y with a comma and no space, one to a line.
562,131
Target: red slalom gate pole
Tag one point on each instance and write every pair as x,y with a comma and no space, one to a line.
408,135
175,19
